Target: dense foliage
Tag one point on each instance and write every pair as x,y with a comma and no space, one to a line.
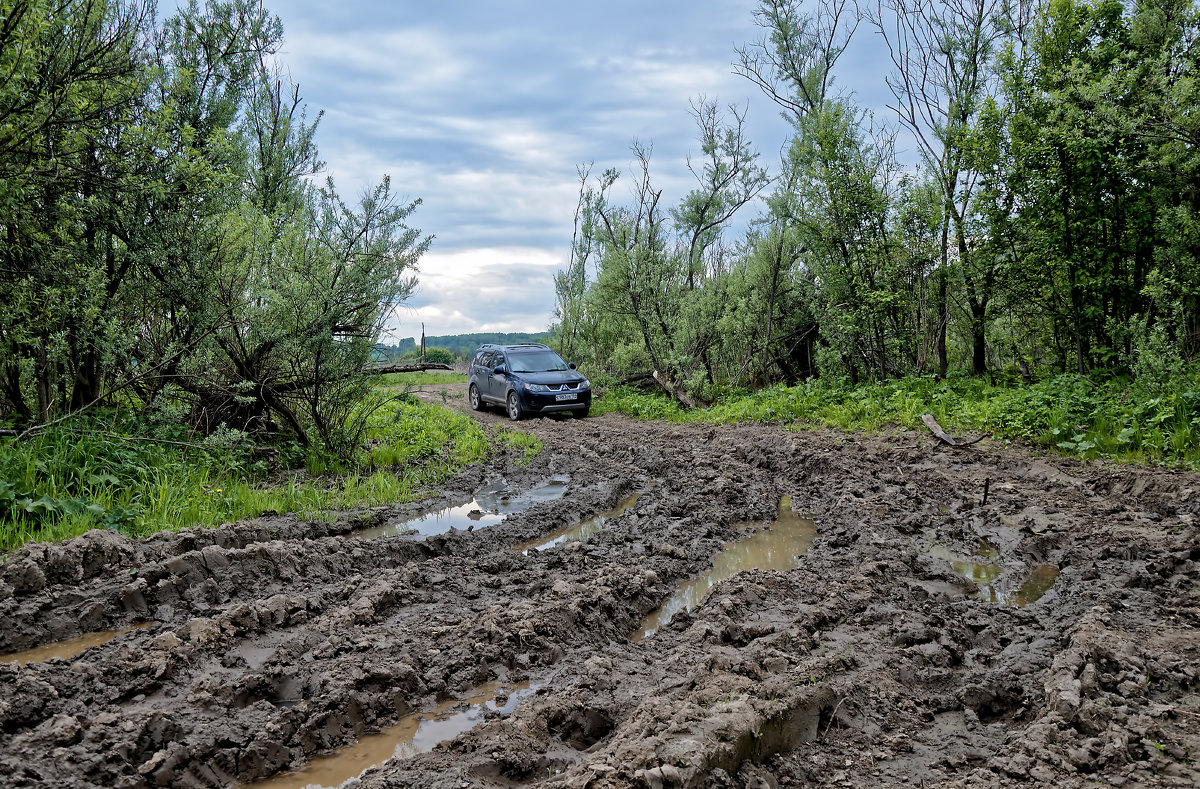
1051,226
162,241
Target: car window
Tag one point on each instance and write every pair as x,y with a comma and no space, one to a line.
536,361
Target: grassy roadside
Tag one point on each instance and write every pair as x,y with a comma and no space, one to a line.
104,471
1071,414
427,378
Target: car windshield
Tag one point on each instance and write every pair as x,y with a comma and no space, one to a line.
536,361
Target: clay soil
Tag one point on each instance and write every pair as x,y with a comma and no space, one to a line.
877,661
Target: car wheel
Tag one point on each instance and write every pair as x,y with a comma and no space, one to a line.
514,406
581,412
476,400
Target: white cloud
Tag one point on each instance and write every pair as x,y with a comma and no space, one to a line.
484,110
410,62
483,289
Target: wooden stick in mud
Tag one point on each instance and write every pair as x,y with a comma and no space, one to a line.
976,441
940,434
937,431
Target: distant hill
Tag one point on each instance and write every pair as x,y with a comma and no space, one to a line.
461,345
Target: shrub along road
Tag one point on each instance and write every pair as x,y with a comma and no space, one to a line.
977,617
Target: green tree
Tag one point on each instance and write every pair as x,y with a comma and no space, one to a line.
942,56
161,238
69,71
1099,202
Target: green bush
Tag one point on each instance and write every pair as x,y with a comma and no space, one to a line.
439,356
1154,421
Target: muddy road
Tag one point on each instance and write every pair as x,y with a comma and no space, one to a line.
981,617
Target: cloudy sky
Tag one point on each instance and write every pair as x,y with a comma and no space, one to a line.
484,109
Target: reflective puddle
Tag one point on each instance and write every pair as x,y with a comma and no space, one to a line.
69,648
1040,580
491,504
582,530
996,585
414,734
777,547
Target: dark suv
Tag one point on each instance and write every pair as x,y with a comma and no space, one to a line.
527,379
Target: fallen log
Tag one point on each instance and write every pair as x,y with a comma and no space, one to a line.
682,397
941,435
640,381
405,368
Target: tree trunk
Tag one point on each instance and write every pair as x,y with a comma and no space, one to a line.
978,338
12,392
943,309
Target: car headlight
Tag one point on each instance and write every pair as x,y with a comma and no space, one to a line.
537,388
584,385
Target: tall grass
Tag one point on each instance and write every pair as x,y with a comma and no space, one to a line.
528,444
99,472
1120,420
423,378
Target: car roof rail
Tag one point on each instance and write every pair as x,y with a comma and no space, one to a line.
491,346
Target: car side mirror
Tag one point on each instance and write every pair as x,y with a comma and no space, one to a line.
571,365
498,369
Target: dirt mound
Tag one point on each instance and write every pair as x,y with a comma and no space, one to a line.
1045,636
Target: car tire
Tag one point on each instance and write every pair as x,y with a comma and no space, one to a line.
581,413
514,406
474,398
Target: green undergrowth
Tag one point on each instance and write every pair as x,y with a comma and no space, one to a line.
1117,419
108,472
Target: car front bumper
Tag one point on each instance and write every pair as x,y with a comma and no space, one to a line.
548,402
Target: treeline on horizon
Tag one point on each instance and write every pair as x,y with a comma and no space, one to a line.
165,246
460,346
1051,226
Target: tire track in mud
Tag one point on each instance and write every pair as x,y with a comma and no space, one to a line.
871,663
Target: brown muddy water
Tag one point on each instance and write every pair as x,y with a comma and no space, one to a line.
491,504
777,547
69,648
416,733
994,582
582,530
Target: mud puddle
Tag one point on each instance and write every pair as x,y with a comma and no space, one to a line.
69,648
995,583
491,504
415,734
776,547
584,529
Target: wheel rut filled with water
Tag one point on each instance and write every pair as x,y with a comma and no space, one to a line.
642,604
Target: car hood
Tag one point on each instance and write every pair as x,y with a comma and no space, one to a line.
553,377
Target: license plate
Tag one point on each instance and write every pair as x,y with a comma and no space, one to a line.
562,397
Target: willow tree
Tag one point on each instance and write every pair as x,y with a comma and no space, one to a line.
162,239
656,291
